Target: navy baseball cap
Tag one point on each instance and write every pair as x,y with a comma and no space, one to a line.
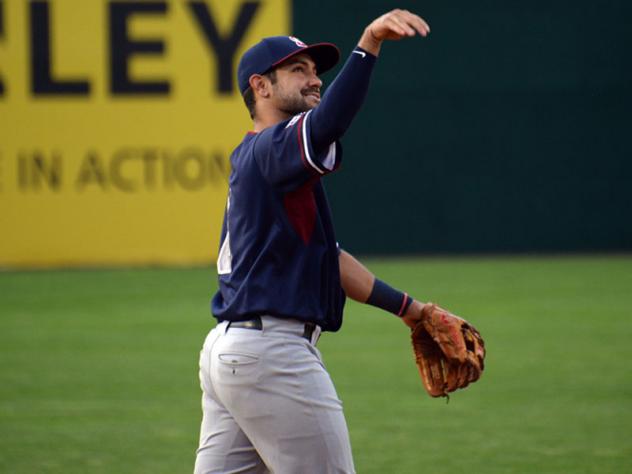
272,51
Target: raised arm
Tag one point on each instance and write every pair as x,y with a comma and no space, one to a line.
344,97
361,285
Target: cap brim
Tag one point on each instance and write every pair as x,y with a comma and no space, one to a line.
325,55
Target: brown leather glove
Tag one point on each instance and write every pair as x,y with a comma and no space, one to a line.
449,351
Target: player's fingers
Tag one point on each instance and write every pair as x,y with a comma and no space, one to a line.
418,23
392,25
400,19
422,25
414,21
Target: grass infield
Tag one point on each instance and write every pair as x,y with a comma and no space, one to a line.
98,370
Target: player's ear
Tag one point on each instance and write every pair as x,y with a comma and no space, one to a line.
259,85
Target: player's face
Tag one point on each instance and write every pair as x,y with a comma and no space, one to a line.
297,88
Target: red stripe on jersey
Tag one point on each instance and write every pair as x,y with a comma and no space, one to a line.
300,207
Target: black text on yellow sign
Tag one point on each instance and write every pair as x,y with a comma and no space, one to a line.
122,47
128,169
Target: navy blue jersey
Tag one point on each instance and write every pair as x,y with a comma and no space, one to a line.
278,252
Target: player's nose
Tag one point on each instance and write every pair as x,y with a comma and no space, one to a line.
314,81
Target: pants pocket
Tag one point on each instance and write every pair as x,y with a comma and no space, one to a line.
235,365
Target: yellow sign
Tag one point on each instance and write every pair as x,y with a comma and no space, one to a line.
117,119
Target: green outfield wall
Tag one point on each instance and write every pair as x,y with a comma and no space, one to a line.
508,129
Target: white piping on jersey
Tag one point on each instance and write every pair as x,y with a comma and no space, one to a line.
293,121
225,257
361,53
306,146
224,260
330,160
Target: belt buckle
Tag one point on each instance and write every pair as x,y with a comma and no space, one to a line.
254,323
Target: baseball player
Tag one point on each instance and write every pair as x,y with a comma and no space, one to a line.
269,404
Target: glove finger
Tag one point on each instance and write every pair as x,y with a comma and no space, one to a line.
474,373
453,376
432,374
433,377
474,362
476,336
475,347
464,375
479,352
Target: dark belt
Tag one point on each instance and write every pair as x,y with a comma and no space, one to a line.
257,324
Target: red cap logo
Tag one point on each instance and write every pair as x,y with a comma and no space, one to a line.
297,41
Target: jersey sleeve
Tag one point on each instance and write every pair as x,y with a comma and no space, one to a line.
342,99
286,157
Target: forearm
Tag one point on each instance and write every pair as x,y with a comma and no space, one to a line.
361,285
357,280
342,100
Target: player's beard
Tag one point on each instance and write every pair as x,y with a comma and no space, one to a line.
293,104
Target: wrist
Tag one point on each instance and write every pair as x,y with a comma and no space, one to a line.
369,42
389,299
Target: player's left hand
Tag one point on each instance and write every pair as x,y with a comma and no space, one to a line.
413,314
449,351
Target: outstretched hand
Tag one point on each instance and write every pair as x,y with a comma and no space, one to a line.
394,25
398,24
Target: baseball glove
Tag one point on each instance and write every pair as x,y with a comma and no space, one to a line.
449,351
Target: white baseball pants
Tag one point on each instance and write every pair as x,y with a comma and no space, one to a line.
269,405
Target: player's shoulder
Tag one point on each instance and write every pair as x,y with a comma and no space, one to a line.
285,126
278,133
242,151
246,143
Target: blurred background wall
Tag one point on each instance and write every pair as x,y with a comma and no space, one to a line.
507,130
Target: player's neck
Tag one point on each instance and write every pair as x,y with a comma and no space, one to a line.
267,117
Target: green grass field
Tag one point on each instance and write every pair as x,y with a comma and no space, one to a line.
98,370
